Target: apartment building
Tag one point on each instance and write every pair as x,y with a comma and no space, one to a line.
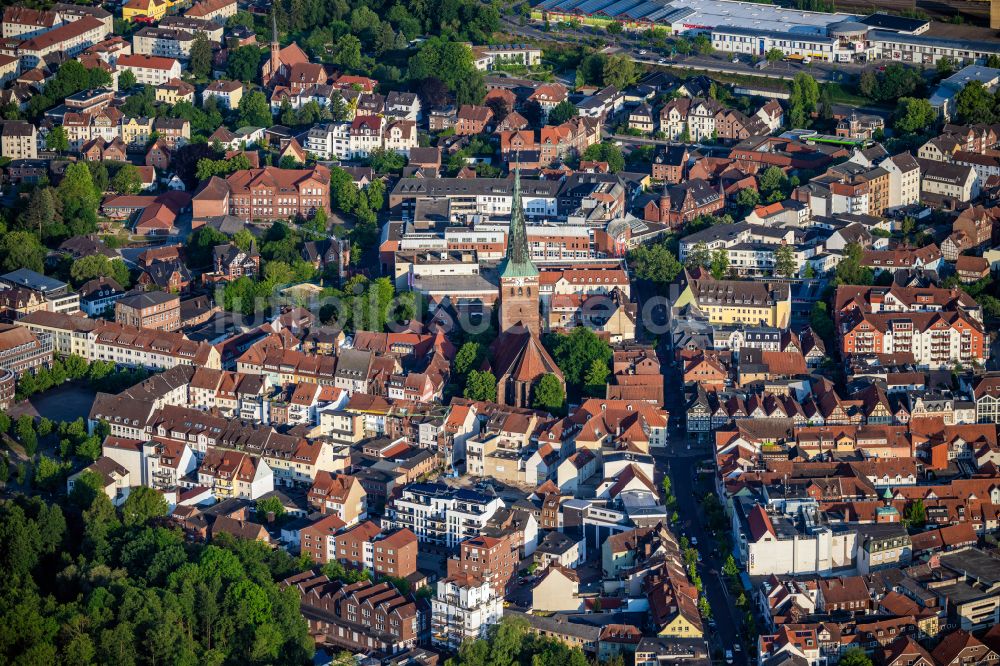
163,42
213,10
441,515
950,181
227,94
150,70
24,22
736,302
157,310
23,291
462,609
493,559
340,495
18,140
71,38
22,351
366,546
936,339
359,617
70,334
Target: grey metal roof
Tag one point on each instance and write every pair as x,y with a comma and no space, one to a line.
925,40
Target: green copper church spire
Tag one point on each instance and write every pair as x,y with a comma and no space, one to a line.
518,262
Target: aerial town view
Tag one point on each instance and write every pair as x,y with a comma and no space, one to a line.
500,332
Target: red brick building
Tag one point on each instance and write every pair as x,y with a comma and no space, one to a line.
269,193
492,559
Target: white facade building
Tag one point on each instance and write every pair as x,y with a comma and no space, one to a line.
442,515
463,608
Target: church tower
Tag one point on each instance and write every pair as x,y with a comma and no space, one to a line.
518,275
275,55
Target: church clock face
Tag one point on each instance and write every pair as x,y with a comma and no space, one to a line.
518,282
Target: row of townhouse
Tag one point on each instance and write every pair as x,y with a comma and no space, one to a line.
70,38
357,139
701,119
119,343
111,126
550,144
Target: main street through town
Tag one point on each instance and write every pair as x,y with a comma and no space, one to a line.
682,457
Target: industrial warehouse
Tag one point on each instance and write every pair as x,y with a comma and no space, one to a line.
753,29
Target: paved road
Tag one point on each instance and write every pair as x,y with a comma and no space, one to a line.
680,461
630,46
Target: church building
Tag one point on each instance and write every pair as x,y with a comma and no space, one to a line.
519,358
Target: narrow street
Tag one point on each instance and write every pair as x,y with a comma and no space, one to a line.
681,463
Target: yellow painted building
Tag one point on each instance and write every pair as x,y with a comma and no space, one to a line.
174,91
680,626
738,302
154,9
136,131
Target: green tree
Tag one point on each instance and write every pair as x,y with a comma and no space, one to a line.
596,379
850,270
90,267
575,352
702,44
803,101
243,63
699,256
549,395
467,358
57,140
784,261
126,80
49,473
20,249
201,55
747,199
774,55
821,323
452,63
348,51
254,111
25,431
481,385
127,180
605,152
914,115
269,505
915,514
656,263
730,568
142,505
80,199
41,216
620,71
855,657
201,243
562,112
386,161
974,103
719,266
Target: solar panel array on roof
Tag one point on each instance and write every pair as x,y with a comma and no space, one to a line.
643,9
593,6
670,14
620,7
